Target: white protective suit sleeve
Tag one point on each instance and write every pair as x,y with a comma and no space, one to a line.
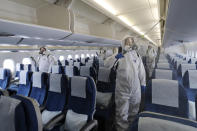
142,72
108,63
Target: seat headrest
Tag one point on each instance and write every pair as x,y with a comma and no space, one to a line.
55,83
55,69
103,74
18,67
8,114
69,71
37,79
27,67
163,74
23,77
85,71
149,121
184,67
78,86
165,92
2,74
163,66
189,79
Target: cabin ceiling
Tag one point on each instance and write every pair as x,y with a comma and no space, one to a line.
181,22
139,15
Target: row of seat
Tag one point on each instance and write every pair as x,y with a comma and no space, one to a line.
60,98
34,85
168,103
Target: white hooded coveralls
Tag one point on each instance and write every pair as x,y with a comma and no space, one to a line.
130,77
45,62
150,61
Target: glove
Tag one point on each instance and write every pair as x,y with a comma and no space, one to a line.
119,55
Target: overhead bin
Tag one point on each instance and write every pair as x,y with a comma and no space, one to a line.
92,39
9,40
30,30
56,25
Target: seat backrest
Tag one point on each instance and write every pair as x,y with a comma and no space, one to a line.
89,63
5,76
69,71
83,61
85,71
104,84
178,62
165,92
77,64
184,67
25,83
149,121
190,84
163,60
39,86
192,60
81,102
163,66
28,67
56,69
9,118
20,110
32,113
189,79
163,74
19,67
103,74
71,62
58,90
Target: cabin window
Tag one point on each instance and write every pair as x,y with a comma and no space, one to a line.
193,54
82,56
196,55
9,64
88,55
61,58
76,56
92,55
26,61
69,57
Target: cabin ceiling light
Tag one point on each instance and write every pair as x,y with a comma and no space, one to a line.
106,6
125,20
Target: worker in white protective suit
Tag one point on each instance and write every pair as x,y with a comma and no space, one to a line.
45,61
150,61
129,79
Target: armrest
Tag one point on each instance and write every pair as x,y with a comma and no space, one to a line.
54,122
42,108
90,126
13,81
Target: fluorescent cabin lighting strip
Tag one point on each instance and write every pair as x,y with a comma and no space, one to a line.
125,20
106,6
110,9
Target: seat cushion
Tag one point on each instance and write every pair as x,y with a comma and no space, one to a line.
75,121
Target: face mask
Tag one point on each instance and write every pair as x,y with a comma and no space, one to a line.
127,48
